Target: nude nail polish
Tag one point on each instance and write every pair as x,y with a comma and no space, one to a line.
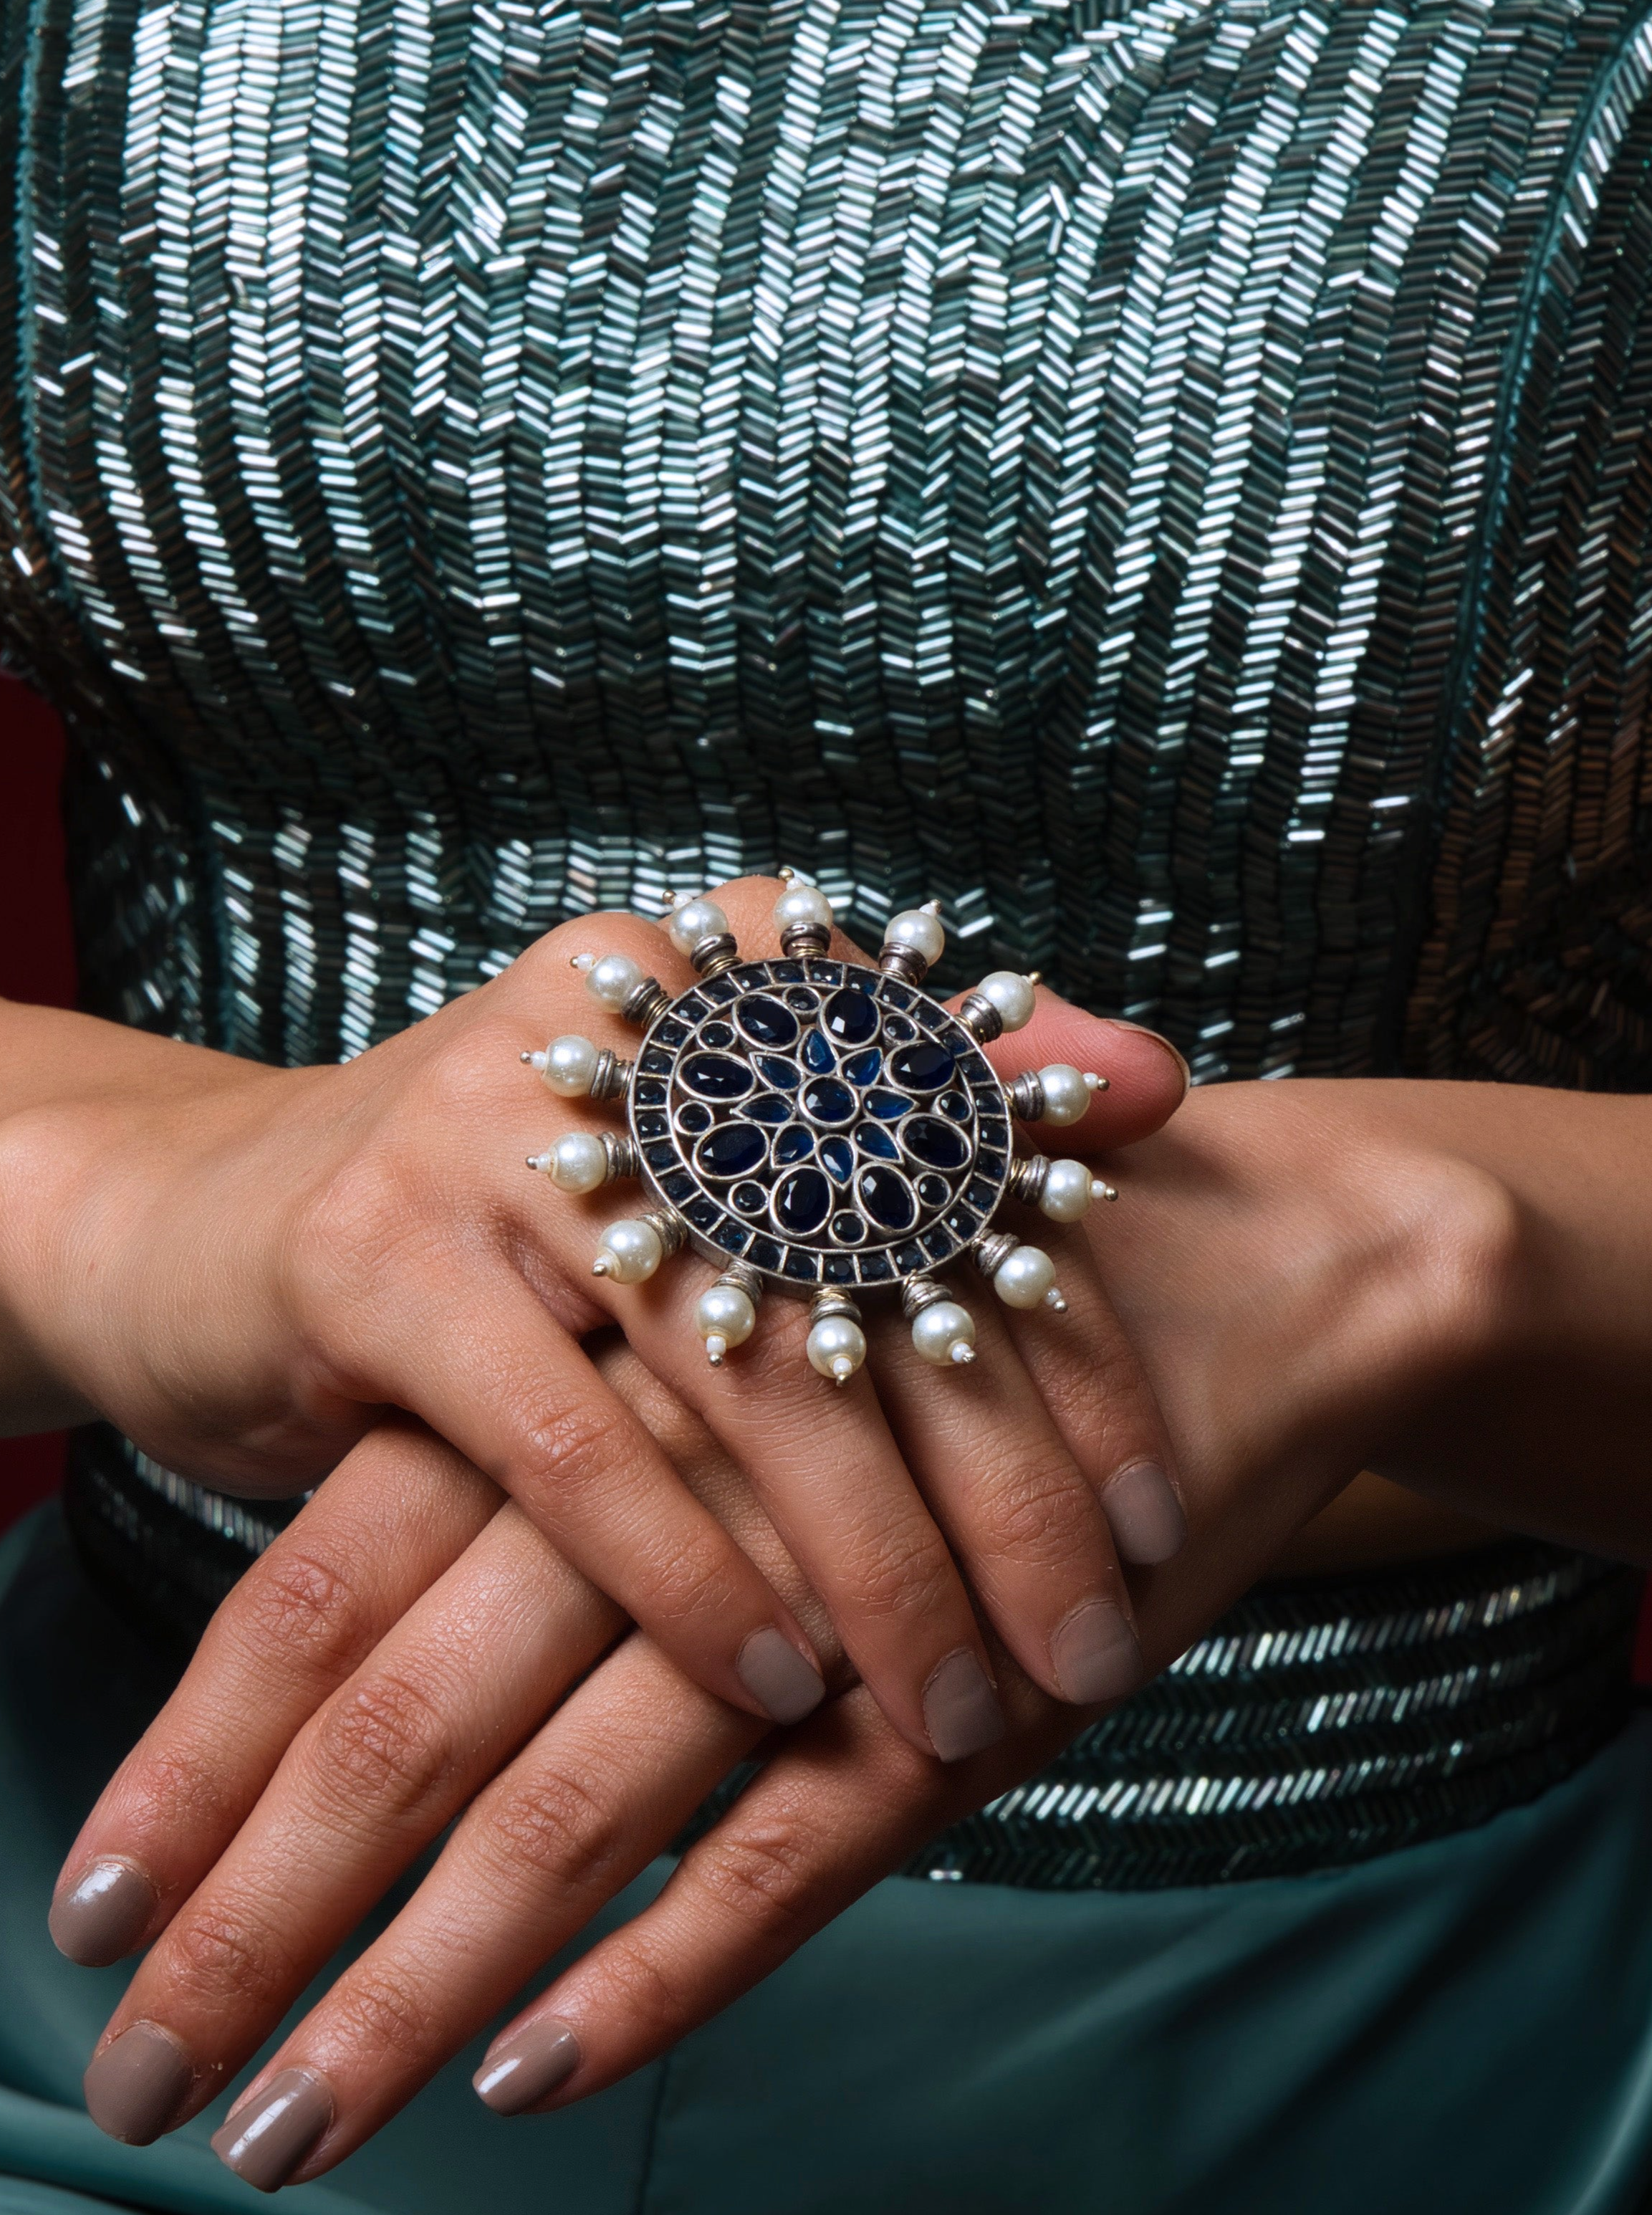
135,2086
1144,1514
105,1915
266,2141
1095,1654
778,1677
527,2067
960,1709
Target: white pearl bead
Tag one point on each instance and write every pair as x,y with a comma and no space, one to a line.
613,979
803,904
629,1252
578,1162
724,1316
569,1064
837,1347
696,919
1068,1190
921,932
944,1333
1066,1092
1024,1278
1012,996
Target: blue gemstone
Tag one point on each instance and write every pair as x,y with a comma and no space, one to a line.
818,1053
838,1154
776,1069
862,1068
768,1108
733,1150
693,1119
801,1202
955,1105
888,1106
871,1140
766,1019
828,1101
716,1077
922,1067
851,1017
794,1142
887,1197
934,1191
749,1199
848,1228
716,1034
935,1144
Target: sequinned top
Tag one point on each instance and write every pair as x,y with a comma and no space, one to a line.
1170,481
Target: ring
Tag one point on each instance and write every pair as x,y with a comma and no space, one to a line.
819,1127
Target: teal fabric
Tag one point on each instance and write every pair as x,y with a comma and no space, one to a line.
1463,2029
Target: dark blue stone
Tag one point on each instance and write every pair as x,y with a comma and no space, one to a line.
818,1053
718,1035
768,1108
828,1101
935,1144
693,1119
838,1268
801,1202
888,1106
887,1197
730,1236
794,1144
848,1228
800,1262
716,1077
662,1157
871,1140
767,1021
776,1069
704,1214
749,1199
765,1254
955,1105
732,1151
838,1154
875,1267
862,1068
922,1067
934,1191
851,1017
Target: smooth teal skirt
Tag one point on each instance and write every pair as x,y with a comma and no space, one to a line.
1461,2029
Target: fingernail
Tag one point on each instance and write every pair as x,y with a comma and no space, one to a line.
1095,1654
134,2087
105,1915
1144,1514
778,1677
1158,1039
528,2066
960,1710
265,2141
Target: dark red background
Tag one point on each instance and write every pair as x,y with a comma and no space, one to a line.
37,962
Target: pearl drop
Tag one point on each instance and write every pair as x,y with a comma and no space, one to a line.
922,933
724,1316
1066,1092
569,1064
837,1347
803,904
1025,1279
578,1162
944,1333
1068,1190
1013,997
630,1252
696,919
613,979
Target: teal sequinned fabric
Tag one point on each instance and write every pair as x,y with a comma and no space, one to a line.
1170,480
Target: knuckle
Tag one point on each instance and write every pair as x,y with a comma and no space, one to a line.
176,1792
212,1949
377,2013
296,1602
1032,1515
558,1825
383,1740
575,1446
903,1570
761,1872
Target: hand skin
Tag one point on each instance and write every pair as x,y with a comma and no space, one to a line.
1318,1278
242,1267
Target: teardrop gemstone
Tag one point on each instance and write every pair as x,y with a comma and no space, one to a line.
862,1068
938,1145
716,1077
887,1197
768,1108
818,1053
888,1106
733,1149
838,1156
851,1017
766,1019
794,1144
801,1202
828,1101
871,1140
777,1071
923,1066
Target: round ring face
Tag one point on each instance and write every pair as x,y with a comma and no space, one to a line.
826,1123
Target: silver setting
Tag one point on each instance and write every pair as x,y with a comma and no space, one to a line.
623,1159
647,1003
612,1075
918,1293
1026,1097
799,939
712,956
1028,1175
832,1303
977,1013
991,1249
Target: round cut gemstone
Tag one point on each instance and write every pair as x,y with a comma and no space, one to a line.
828,1101
851,1017
848,1228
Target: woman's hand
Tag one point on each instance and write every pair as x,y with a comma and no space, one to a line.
242,1267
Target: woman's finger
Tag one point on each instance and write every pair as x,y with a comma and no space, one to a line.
441,1703
398,1511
